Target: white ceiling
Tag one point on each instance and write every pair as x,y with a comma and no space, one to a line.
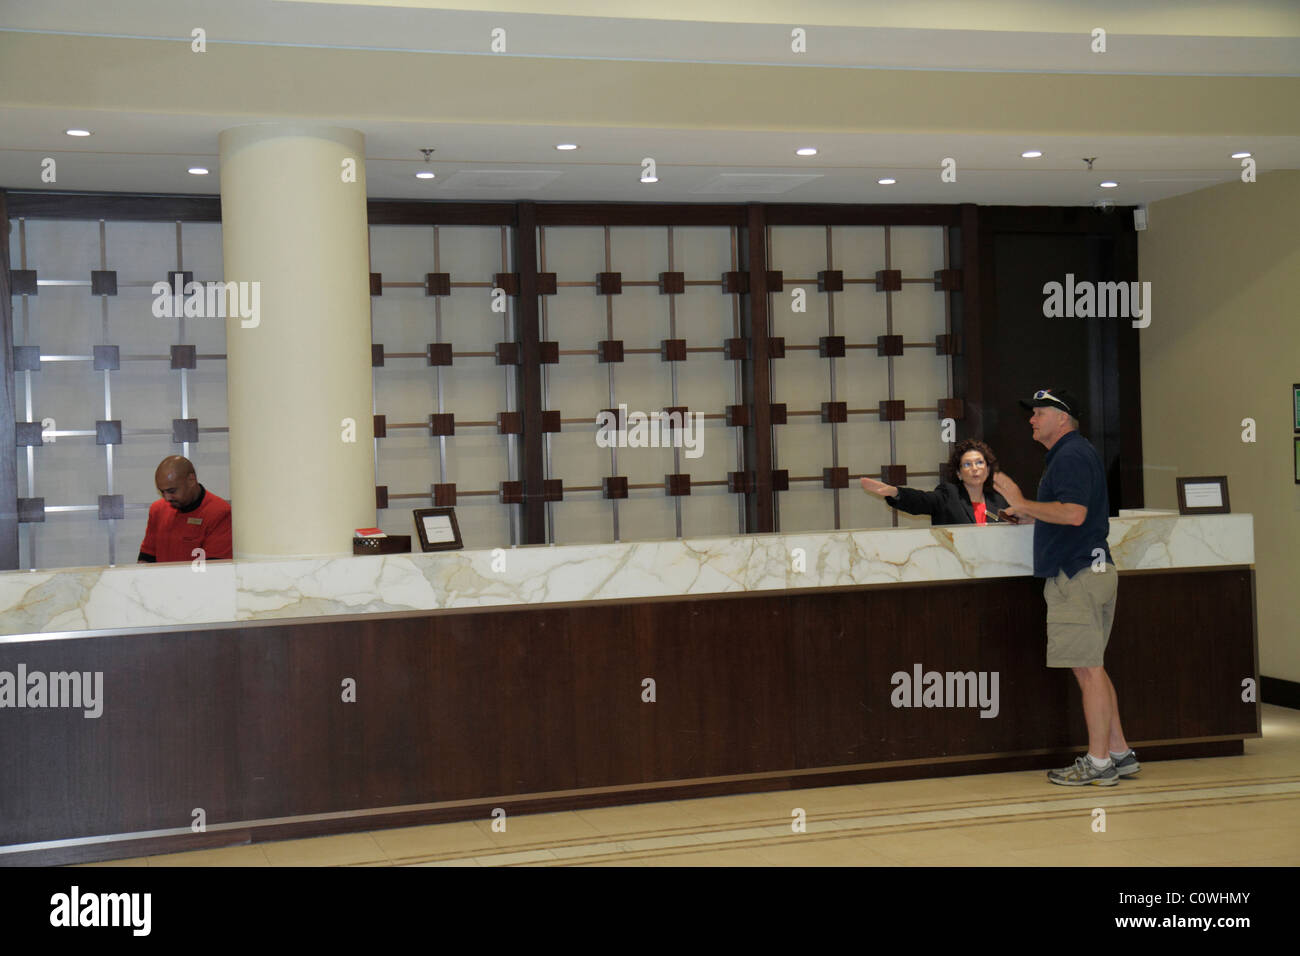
134,151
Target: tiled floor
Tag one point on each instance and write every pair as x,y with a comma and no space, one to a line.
1223,811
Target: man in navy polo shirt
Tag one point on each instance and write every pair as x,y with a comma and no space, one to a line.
1070,552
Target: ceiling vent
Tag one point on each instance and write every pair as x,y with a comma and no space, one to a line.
755,184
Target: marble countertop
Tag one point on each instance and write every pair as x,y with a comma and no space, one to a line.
137,597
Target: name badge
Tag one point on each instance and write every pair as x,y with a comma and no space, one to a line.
195,520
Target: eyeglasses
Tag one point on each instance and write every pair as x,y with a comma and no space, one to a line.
977,463
1046,393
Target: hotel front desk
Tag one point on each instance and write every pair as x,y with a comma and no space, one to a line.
260,700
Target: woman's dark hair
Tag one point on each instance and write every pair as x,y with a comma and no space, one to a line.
971,444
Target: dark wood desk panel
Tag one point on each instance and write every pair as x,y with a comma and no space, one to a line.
533,708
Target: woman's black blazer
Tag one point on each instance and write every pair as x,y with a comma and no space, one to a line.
947,504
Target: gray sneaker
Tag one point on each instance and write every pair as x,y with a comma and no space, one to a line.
1082,773
1127,765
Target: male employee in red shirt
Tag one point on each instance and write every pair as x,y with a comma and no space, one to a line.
188,517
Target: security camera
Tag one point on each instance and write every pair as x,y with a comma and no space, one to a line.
1104,205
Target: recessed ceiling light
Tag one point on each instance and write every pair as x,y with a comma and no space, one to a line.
806,151
886,182
425,174
1241,155
649,179
77,132
1031,154
1109,185
197,171
567,146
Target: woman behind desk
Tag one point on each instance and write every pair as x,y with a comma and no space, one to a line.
969,500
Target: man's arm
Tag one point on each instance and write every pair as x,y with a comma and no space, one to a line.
1053,512
149,546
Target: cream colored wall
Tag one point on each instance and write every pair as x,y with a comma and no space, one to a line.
1224,345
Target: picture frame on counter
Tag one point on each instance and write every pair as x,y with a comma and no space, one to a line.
1205,495
438,529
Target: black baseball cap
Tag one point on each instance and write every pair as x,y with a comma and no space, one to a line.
1054,398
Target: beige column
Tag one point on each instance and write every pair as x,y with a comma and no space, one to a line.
293,219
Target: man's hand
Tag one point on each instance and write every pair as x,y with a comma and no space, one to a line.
871,486
1008,489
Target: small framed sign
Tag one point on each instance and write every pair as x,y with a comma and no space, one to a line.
1203,496
1295,404
1297,459
438,529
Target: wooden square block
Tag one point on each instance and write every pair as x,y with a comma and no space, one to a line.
674,418
511,492
609,350
618,416
438,353
103,282
111,507
184,429
781,480
552,489
376,283
381,426
889,280
947,472
442,424
775,280
889,345
947,280
551,420
186,356
835,412
179,280
509,281
546,283
510,423
615,486
835,477
954,408
107,358
609,283
777,413
23,282
892,411
776,347
437,283
895,475
831,346
673,350
108,432
740,482
27,358
738,416
830,280
947,344
444,496
672,283
507,353
677,486
737,350
31,510
28,435
381,496
549,353
735,283
376,355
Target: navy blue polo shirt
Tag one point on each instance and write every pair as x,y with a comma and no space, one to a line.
1072,474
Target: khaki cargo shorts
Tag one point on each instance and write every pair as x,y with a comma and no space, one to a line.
1080,612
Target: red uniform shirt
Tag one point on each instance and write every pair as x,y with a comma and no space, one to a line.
172,534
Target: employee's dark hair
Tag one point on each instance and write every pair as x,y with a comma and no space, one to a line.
971,444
